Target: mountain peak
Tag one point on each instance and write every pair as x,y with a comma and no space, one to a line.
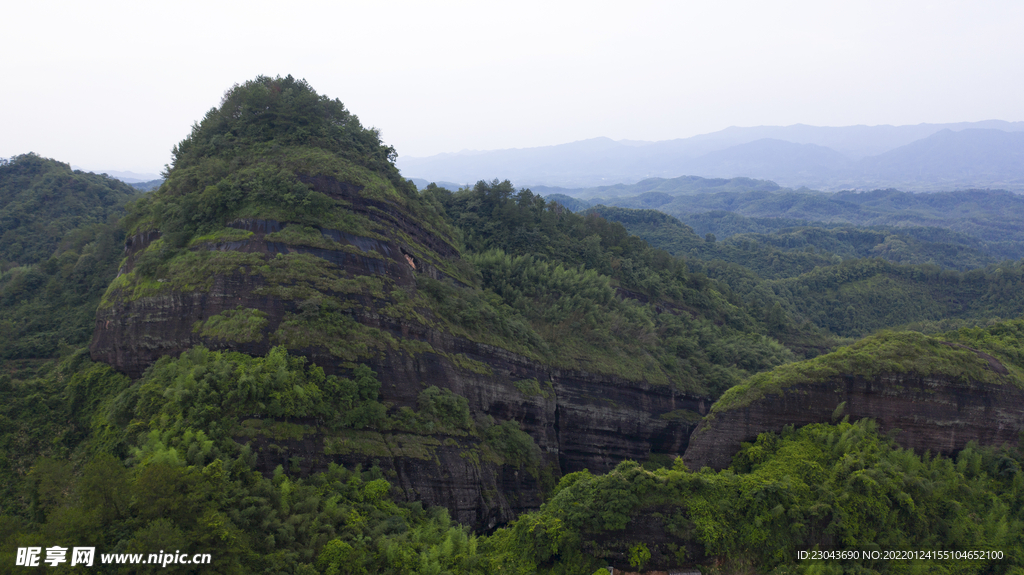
288,112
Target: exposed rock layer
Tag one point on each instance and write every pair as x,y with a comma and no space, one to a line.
582,420
932,414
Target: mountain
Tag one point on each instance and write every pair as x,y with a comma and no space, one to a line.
948,159
147,186
127,177
422,184
587,162
42,200
799,155
933,394
772,159
269,235
804,456
680,185
990,219
853,142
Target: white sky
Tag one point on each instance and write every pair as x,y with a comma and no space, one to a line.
114,85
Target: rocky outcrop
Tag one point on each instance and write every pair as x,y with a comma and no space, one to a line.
577,419
931,413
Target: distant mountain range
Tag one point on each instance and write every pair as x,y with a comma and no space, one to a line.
925,157
126,177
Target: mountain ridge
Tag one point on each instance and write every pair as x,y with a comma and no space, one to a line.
602,161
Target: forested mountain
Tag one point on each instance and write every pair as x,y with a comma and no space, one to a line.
680,185
759,243
304,364
948,160
59,246
847,281
43,200
985,221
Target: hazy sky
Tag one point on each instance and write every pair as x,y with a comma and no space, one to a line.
114,85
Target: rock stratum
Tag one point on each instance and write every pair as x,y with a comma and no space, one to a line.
933,395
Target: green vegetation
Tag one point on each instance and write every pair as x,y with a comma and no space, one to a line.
169,461
569,291
818,487
846,281
60,245
42,201
991,216
862,296
252,158
665,189
983,224
147,186
903,352
532,387
597,299
787,248
514,445
241,325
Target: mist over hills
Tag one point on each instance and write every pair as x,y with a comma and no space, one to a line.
924,157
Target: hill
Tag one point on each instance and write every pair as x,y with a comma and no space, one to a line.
42,201
990,217
949,160
59,247
934,393
680,185
807,463
846,281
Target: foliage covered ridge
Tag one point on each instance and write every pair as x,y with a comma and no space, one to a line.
561,289
958,356
276,149
286,112
843,486
934,393
59,249
280,193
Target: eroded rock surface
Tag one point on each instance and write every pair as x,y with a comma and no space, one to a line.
580,420
934,414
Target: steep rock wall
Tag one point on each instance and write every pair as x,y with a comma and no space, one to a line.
578,420
934,414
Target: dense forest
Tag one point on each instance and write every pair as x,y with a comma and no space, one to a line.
731,301
59,248
846,280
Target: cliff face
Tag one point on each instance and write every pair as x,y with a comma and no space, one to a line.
335,297
937,413
133,332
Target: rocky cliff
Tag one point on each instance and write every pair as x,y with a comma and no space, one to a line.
255,244
578,420
934,395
